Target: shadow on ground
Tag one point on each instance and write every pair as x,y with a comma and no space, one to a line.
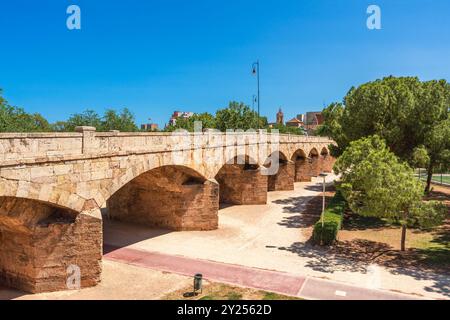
304,210
357,255
10,294
297,209
430,264
116,234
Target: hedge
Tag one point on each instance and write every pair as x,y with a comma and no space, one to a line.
332,218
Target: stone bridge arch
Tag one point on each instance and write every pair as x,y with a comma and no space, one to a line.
241,182
170,196
283,178
302,165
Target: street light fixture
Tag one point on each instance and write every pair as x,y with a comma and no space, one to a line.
255,71
323,175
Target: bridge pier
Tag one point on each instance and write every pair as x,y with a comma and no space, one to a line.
242,184
316,163
283,180
327,163
303,170
48,248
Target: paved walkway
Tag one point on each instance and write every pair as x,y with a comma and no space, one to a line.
268,280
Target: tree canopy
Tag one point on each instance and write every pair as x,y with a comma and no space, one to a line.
111,120
404,111
285,129
238,116
376,183
208,122
15,119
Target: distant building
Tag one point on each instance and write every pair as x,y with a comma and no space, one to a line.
295,123
179,114
280,117
301,117
313,120
149,127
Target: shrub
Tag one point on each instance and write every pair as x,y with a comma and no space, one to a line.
332,221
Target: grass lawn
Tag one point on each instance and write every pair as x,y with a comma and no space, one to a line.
430,248
220,291
445,179
437,178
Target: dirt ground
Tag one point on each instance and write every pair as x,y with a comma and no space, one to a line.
119,282
220,291
372,240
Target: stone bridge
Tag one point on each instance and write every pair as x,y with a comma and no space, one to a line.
55,188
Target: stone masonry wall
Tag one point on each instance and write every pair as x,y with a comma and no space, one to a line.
327,163
303,170
284,179
39,242
242,185
316,166
168,198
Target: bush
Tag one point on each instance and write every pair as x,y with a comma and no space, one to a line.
332,221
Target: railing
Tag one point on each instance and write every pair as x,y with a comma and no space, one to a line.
442,178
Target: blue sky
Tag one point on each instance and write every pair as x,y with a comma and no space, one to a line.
155,57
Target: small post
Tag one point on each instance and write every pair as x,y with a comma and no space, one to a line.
198,286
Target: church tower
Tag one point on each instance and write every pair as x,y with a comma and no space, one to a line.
280,117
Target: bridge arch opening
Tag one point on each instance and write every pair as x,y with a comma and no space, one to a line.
302,164
283,178
170,197
242,183
39,241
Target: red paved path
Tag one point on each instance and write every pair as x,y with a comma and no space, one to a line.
276,281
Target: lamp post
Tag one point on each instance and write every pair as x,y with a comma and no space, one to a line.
254,99
255,71
323,175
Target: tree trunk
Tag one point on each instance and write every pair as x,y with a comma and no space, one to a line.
429,176
403,243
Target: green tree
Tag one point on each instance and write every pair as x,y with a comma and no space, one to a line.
403,111
437,147
208,122
15,119
111,120
285,129
238,116
59,126
376,183
114,121
331,127
87,118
